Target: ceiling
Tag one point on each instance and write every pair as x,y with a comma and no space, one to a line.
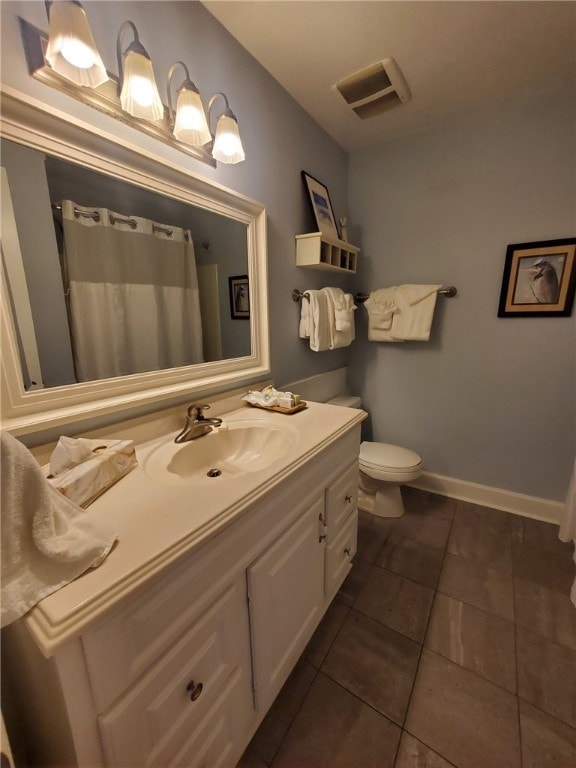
455,56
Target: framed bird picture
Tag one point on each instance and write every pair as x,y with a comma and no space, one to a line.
539,279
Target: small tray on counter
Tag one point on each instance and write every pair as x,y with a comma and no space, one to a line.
300,407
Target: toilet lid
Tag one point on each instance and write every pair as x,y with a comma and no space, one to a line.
385,455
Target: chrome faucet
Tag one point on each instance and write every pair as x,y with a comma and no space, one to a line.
197,424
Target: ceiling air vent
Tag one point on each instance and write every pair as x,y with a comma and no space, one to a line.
374,90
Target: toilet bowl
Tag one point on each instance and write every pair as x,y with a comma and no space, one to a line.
383,469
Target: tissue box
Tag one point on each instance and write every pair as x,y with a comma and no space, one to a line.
83,483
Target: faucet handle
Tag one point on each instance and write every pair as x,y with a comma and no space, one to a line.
196,411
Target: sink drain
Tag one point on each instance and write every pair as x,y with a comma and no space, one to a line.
214,472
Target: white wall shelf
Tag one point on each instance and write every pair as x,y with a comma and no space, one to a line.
320,251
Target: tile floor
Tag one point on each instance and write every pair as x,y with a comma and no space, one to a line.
451,643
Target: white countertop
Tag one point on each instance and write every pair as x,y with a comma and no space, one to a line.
157,522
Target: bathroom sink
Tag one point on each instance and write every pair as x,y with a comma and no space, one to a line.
236,448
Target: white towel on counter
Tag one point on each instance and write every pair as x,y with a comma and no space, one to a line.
46,539
401,313
340,316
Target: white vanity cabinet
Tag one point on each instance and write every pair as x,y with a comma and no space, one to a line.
182,672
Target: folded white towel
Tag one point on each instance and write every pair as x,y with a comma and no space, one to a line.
381,306
412,320
46,540
339,313
319,321
304,330
344,310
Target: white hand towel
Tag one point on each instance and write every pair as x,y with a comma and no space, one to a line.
319,321
46,540
381,306
304,330
344,310
412,320
344,337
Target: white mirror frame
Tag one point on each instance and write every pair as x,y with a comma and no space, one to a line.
28,122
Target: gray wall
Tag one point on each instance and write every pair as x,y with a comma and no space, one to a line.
486,400
280,139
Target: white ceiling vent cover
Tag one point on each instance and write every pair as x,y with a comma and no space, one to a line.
375,89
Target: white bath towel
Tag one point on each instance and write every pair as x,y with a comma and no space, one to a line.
381,306
412,319
319,320
46,540
340,317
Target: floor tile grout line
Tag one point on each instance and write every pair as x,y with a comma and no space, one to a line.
405,730
283,739
519,719
426,628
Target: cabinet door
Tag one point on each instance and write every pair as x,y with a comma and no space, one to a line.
286,595
175,704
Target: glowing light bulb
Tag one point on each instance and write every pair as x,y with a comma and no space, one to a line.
142,91
78,54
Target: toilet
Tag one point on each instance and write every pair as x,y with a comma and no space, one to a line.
383,469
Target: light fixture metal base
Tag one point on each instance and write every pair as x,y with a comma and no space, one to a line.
104,98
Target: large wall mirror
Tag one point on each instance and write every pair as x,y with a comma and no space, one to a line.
125,279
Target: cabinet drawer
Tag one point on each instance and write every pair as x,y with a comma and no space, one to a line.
340,553
153,721
133,639
341,500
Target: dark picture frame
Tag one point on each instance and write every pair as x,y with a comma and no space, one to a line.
321,205
239,297
539,279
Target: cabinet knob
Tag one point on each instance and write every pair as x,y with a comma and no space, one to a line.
348,499
195,689
348,551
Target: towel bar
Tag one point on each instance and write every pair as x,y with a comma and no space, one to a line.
448,291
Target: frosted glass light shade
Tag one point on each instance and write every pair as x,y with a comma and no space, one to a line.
190,125
71,48
139,96
227,145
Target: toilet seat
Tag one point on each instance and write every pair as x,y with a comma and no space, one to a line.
383,461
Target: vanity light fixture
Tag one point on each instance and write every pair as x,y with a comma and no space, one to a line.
189,123
138,90
134,92
71,48
227,144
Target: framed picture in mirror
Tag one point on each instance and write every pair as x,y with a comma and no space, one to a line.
239,297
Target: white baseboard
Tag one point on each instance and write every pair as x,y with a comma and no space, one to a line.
498,498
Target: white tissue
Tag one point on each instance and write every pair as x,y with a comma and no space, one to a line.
69,453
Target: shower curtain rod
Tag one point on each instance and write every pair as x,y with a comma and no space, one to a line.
448,291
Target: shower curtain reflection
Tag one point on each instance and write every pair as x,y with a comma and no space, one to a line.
132,291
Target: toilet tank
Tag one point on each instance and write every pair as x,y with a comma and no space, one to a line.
346,401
